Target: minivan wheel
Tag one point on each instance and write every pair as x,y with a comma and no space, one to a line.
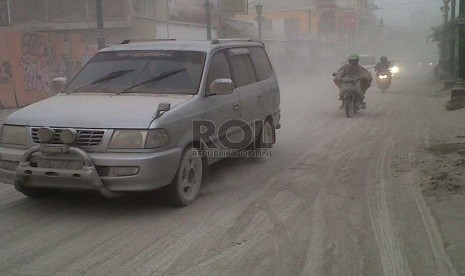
189,178
33,192
266,138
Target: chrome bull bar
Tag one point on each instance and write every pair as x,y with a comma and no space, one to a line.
89,173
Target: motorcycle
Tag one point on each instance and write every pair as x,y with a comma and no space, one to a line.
383,80
351,101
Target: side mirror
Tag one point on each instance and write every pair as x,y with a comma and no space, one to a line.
334,74
58,84
221,87
162,108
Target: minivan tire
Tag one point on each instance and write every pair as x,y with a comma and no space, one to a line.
189,178
267,136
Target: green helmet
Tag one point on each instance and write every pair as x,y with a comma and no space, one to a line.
354,57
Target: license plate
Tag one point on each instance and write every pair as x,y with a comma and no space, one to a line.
59,164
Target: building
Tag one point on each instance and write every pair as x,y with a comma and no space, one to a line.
123,19
44,39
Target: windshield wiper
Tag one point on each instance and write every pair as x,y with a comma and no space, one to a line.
108,77
153,79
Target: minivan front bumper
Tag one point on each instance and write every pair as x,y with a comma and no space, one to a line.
154,170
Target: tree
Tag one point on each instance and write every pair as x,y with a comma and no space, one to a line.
441,35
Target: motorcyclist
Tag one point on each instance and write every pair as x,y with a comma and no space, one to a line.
354,69
383,65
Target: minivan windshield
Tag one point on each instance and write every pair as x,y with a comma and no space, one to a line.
113,72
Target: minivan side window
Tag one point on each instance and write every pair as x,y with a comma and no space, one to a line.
219,68
261,63
244,72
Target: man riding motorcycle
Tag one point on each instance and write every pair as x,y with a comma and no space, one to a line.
383,69
383,65
354,69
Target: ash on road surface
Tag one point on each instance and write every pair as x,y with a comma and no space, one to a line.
340,197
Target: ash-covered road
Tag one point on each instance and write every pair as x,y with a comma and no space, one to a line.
336,199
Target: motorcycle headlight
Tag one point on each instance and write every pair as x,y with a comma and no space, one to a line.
139,139
395,69
13,135
382,77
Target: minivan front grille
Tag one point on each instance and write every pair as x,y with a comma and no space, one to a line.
86,137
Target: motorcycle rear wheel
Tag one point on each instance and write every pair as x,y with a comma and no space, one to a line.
348,107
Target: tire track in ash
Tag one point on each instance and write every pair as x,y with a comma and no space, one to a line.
316,250
383,204
339,254
431,247
262,194
428,243
385,226
443,264
380,197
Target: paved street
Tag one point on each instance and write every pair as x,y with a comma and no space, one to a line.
340,197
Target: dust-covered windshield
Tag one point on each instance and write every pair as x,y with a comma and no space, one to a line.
129,68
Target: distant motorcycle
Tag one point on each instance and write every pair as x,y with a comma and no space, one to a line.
383,80
351,101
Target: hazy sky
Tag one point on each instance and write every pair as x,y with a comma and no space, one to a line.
416,14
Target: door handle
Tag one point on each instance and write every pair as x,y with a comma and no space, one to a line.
236,106
260,98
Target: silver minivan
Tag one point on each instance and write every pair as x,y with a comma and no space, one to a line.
144,115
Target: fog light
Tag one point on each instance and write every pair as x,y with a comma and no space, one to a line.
45,134
125,171
68,136
8,165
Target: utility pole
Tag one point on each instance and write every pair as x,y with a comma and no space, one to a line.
208,8
459,90
100,35
445,9
219,32
452,39
259,9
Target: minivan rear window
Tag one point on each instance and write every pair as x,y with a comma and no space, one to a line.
243,70
261,63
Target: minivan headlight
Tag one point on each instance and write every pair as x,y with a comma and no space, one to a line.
139,139
157,138
14,135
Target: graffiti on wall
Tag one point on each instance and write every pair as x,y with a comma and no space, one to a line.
29,61
34,62
35,44
35,75
6,72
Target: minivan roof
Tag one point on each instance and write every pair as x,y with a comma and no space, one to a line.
203,46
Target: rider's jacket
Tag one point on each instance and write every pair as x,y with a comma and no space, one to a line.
354,70
383,66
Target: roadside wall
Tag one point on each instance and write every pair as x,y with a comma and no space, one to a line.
30,60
